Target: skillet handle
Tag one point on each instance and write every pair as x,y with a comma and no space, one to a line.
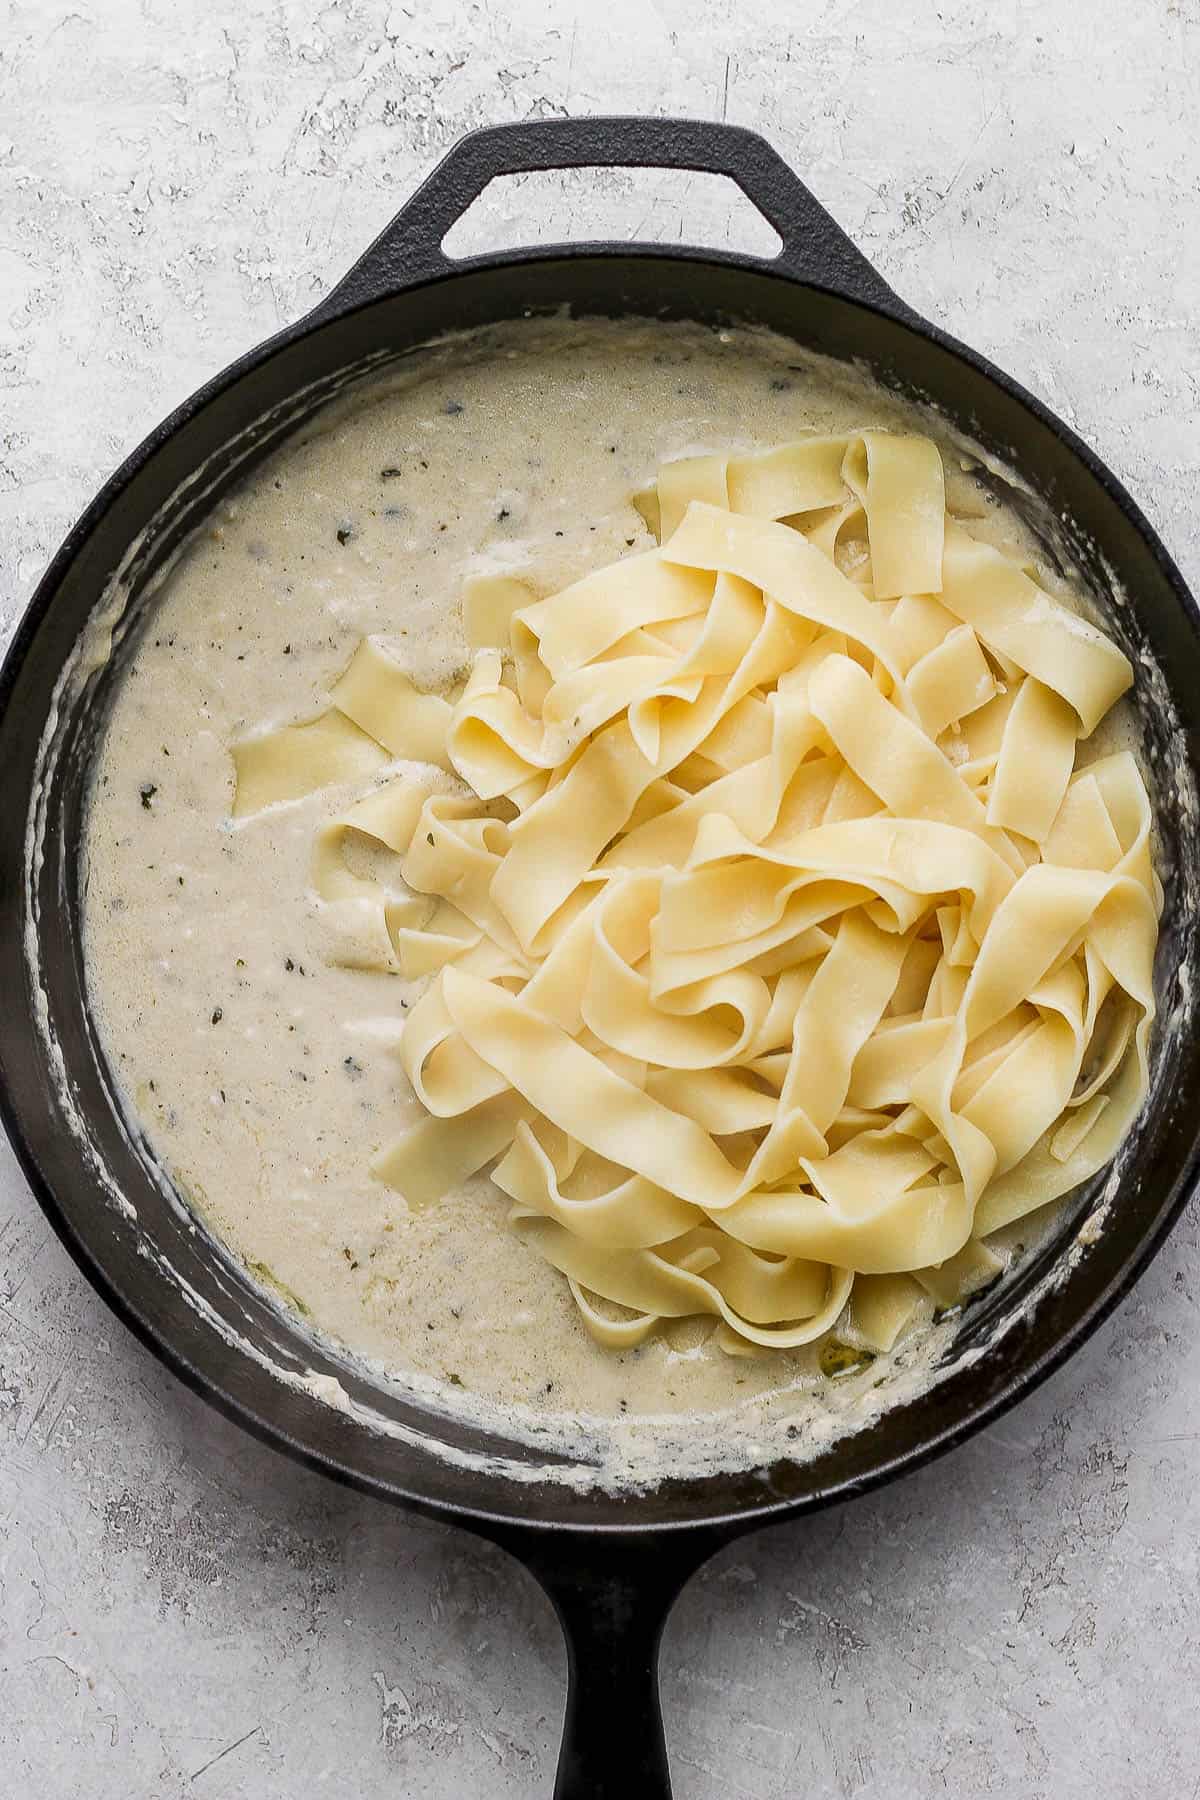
409,250
612,1597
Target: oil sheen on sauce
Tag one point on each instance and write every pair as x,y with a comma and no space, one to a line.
265,1077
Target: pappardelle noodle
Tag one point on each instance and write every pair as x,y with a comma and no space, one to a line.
780,948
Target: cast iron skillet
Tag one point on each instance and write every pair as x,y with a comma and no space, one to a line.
612,1565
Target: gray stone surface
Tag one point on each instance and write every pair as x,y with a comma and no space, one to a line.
181,1611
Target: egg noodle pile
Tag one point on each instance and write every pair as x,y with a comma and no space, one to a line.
776,950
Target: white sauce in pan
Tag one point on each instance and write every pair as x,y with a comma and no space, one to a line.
262,1075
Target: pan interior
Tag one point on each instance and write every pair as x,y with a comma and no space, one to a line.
99,1179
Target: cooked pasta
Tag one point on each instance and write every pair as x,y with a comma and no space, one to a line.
778,948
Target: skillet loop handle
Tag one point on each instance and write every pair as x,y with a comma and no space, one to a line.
409,250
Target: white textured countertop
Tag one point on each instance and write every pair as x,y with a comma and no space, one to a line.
182,1612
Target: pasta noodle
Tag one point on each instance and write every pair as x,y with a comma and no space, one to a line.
777,951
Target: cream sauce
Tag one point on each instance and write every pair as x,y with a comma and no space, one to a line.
264,1076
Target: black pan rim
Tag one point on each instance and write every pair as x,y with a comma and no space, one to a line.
771,1510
